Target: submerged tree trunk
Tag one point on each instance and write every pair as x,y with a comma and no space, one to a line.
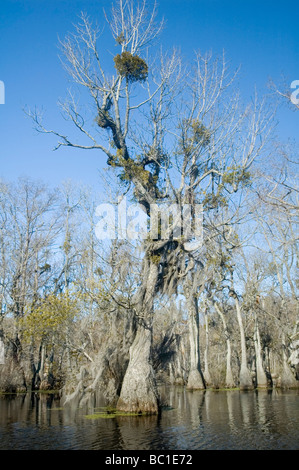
229,379
139,391
195,378
261,377
207,375
288,380
245,376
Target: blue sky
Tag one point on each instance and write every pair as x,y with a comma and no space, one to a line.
261,36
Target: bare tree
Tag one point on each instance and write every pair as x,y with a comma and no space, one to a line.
172,136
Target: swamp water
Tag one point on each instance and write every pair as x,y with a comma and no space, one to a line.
209,420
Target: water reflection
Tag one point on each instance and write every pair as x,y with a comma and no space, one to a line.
191,420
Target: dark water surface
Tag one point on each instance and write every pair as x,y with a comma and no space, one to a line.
226,420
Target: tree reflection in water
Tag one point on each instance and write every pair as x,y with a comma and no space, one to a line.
188,421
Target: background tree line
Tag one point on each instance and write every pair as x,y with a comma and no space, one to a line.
67,313
115,317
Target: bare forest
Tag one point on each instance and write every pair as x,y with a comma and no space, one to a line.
121,316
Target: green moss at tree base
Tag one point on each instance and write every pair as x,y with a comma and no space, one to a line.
112,414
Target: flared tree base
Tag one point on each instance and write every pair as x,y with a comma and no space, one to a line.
139,391
195,381
245,379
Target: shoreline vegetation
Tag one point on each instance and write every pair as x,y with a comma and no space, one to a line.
59,392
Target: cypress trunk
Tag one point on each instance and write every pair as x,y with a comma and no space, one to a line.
288,380
139,391
195,378
245,376
229,379
207,375
261,377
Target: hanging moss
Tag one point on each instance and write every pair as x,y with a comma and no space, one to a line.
132,67
156,259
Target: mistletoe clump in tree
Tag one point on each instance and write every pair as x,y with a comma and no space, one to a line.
132,67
